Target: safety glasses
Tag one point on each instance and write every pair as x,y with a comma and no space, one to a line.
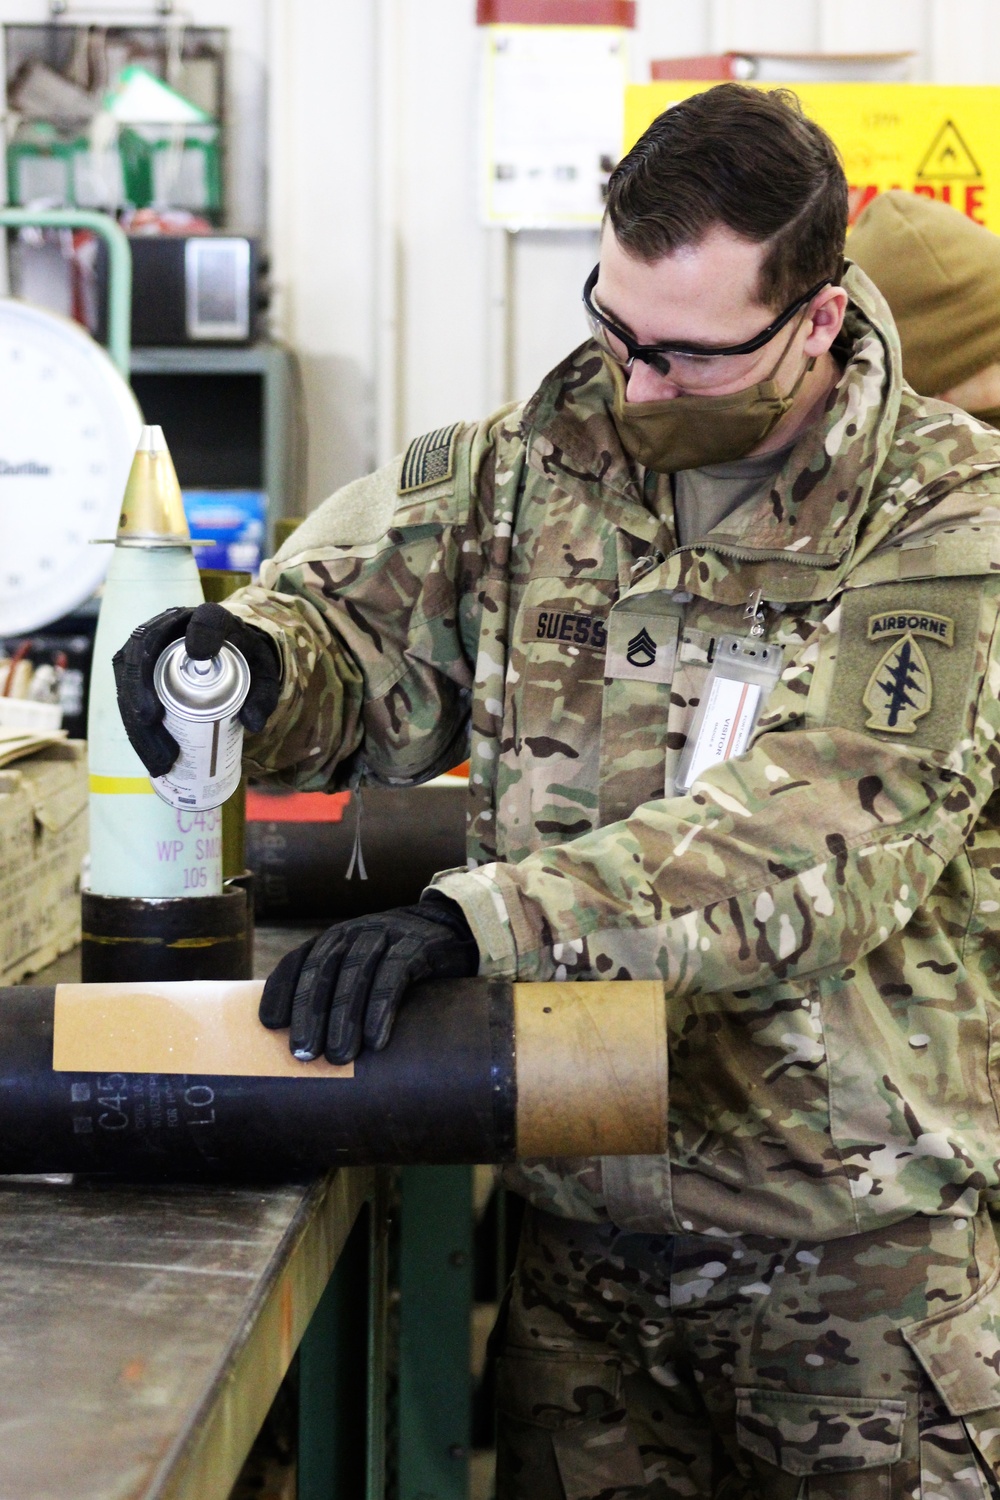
692,365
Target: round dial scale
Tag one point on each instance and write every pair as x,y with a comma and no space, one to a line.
69,425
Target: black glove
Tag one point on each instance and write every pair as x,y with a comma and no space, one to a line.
347,984
205,628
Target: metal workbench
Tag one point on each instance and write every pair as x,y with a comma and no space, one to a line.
147,1328
146,1331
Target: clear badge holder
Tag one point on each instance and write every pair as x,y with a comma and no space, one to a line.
743,673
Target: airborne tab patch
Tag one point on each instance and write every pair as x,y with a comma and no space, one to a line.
900,690
939,628
429,459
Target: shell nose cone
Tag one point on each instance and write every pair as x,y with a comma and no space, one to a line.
152,508
151,440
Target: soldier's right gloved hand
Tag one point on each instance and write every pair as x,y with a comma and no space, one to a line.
204,629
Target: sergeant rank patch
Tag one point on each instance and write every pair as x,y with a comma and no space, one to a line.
641,648
900,689
429,459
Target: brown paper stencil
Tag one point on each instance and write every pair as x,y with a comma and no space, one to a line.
591,1068
207,1027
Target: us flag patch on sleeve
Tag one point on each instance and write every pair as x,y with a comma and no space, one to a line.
429,459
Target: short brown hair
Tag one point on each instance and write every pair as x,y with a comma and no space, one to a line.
746,158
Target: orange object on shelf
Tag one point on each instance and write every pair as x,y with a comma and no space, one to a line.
296,807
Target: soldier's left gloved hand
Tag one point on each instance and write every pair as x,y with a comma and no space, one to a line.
344,988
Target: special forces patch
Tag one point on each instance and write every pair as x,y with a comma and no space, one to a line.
903,660
900,690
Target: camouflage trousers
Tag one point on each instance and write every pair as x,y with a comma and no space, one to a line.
644,1367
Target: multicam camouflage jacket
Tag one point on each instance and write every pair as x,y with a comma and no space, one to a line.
824,908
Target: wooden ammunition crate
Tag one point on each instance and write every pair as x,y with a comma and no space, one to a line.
43,839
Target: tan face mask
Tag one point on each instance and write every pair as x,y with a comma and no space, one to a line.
689,432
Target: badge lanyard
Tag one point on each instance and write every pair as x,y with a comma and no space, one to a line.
743,673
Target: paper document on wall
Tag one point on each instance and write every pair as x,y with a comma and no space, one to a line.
553,98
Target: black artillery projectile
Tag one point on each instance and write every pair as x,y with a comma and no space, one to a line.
102,1078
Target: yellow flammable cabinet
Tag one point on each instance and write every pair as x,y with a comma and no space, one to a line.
939,140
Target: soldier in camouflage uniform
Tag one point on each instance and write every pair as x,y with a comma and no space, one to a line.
801,1298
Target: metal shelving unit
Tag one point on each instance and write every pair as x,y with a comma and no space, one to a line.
270,364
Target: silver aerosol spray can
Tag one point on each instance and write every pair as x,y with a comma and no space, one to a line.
202,700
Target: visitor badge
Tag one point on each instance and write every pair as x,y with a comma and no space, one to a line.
743,673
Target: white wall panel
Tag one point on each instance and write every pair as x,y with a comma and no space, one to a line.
875,26
442,247
963,41
670,28
548,312
763,25
322,68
